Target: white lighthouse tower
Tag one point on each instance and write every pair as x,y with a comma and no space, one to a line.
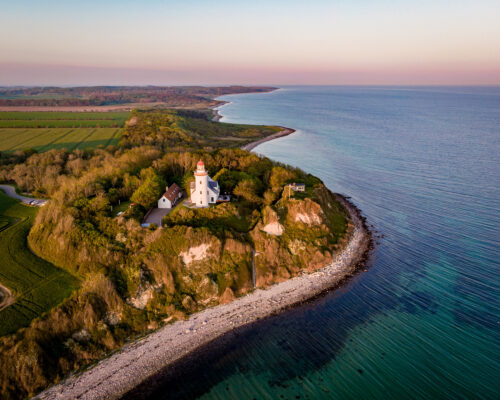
204,190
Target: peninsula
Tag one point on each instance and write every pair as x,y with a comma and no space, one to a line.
264,237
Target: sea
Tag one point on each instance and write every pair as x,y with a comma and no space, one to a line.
423,320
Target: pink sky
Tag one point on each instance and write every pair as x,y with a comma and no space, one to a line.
238,42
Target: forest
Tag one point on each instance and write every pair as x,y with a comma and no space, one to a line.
132,279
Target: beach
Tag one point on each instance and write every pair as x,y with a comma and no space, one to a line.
123,371
283,132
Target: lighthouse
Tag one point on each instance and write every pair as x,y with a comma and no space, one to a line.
204,190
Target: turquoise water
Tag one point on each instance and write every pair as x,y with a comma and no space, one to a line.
423,322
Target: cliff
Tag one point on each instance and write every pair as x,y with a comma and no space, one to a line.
137,279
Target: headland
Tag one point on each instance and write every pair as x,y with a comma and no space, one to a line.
137,362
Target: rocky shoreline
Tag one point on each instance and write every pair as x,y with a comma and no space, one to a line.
140,361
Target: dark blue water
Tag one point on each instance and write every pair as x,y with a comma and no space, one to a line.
423,164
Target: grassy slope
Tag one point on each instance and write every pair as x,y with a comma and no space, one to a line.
37,284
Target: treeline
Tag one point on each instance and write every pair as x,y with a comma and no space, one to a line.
172,96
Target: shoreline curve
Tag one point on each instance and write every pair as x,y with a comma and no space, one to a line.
284,132
139,362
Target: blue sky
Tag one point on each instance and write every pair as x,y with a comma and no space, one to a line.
260,42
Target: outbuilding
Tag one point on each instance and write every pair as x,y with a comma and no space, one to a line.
170,197
297,187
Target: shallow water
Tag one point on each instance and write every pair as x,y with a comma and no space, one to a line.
423,322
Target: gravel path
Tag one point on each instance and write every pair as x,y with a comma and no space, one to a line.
11,192
113,377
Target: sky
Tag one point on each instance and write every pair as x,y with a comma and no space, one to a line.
276,42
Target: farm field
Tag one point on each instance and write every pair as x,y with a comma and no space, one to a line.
12,139
61,119
36,284
43,131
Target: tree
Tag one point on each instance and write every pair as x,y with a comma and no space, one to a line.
247,189
148,193
279,176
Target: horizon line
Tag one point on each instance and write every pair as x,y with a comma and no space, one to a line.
274,86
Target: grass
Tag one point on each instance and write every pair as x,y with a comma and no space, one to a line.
36,284
52,116
122,207
66,123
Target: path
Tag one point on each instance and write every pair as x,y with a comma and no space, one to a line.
6,298
156,215
11,192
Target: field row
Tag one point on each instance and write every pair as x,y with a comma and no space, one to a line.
63,115
60,123
12,139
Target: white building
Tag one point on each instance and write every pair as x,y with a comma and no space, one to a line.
204,190
170,197
297,187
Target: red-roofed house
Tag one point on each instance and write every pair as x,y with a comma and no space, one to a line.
170,197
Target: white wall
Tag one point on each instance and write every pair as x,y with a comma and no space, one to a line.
164,203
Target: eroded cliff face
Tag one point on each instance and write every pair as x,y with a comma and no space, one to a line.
294,236
184,269
194,267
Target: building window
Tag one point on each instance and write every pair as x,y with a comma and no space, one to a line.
212,199
164,200
201,192
200,182
201,202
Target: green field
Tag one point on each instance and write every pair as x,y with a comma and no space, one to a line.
12,139
61,119
43,131
37,285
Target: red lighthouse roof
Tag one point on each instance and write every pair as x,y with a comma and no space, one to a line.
200,163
